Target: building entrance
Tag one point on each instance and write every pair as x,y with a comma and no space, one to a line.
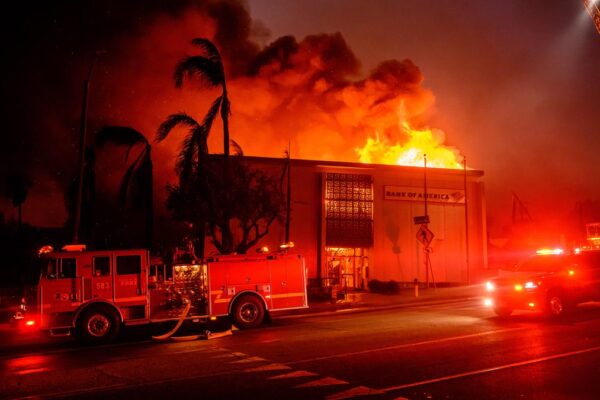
347,267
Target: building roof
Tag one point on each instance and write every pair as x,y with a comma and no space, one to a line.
364,166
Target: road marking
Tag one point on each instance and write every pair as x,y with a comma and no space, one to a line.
405,345
321,382
355,392
492,369
248,360
268,367
295,374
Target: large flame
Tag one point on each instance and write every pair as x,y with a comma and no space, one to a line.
420,142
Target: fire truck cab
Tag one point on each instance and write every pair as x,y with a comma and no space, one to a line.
94,293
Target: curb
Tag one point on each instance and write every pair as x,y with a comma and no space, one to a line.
365,307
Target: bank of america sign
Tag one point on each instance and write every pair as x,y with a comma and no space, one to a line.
408,193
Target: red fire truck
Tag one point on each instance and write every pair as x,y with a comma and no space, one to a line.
94,293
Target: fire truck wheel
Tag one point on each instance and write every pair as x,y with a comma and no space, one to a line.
556,304
98,324
248,312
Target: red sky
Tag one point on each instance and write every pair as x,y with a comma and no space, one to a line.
515,86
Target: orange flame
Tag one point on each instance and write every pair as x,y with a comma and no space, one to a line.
419,142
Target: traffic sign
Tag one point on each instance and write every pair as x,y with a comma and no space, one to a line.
424,235
421,219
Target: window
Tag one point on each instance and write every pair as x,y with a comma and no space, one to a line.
349,210
101,266
128,265
51,269
68,268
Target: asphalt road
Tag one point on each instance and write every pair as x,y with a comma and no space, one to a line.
457,350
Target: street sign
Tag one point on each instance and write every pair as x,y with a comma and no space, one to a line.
421,219
424,235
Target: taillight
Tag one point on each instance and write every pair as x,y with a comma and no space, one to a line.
518,287
30,322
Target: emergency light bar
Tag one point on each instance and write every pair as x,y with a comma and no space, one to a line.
545,252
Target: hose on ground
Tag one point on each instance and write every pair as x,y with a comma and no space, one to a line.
206,334
186,310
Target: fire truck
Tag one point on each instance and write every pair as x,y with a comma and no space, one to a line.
94,293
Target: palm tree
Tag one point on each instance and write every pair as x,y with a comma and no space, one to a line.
209,68
136,185
191,167
17,188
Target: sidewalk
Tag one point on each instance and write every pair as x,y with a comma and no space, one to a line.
406,297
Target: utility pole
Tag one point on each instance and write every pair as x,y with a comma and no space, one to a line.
466,221
288,206
426,247
82,143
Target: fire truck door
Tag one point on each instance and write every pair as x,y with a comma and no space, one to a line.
101,285
61,287
130,278
287,279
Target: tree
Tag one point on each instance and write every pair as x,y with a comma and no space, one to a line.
195,200
210,195
136,186
17,188
209,68
250,201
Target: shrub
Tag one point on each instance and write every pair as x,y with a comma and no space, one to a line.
389,287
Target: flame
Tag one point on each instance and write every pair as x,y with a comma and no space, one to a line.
420,142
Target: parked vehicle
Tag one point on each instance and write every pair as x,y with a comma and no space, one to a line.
94,293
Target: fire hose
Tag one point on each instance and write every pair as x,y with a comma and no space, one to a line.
184,314
169,335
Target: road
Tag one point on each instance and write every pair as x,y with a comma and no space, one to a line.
454,350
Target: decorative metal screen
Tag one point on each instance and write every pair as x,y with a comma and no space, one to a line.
349,210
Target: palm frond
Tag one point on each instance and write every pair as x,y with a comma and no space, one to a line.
119,135
142,158
209,118
186,157
208,71
237,149
172,121
208,48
